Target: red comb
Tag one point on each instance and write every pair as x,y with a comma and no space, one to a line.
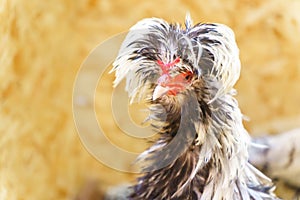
166,66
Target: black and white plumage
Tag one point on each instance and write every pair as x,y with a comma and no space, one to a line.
187,74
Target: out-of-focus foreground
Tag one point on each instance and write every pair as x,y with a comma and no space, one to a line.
43,43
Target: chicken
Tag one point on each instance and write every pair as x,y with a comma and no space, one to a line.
186,75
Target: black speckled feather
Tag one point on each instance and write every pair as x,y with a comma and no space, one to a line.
187,74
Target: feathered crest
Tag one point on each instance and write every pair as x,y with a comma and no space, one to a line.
208,49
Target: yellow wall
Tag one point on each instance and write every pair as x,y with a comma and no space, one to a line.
43,43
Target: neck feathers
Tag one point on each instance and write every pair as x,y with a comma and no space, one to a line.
201,154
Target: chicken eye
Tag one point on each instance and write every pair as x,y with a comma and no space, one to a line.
188,76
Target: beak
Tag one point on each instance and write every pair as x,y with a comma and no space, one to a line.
159,91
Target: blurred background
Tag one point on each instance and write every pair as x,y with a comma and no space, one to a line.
43,43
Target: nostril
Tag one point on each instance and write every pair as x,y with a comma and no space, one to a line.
163,79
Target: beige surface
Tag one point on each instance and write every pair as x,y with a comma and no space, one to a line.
43,43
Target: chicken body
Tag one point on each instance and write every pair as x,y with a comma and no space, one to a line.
187,77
